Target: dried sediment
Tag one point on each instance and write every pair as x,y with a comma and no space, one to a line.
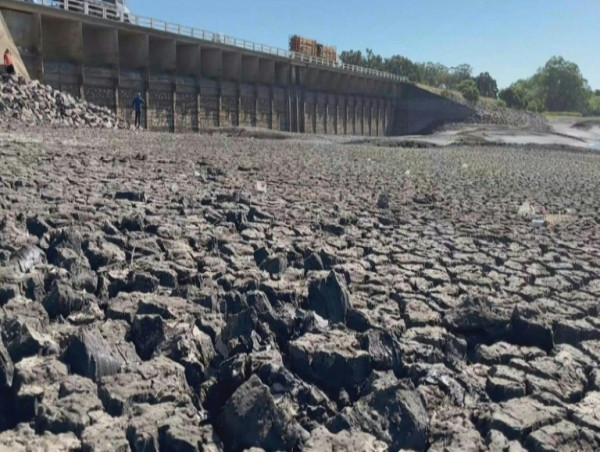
153,299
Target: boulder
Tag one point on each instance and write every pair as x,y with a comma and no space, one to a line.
322,440
100,350
159,380
329,297
518,417
251,418
333,360
391,410
68,408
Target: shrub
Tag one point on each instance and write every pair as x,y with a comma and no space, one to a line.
469,90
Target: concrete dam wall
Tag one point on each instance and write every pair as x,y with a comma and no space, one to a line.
193,83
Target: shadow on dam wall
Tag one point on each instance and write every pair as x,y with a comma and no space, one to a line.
190,84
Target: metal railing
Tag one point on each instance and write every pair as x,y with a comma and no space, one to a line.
112,12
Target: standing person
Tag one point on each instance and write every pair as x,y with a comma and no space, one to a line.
8,62
138,103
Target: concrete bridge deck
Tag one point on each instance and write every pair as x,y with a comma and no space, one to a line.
193,79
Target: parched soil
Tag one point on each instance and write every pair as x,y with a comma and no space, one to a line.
214,292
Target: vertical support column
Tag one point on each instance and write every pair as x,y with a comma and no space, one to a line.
198,103
220,102
385,110
174,106
345,114
271,110
362,116
370,117
39,61
288,90
239,103
255,105
116,97
326,118
337,113
81,82
147,96
315,112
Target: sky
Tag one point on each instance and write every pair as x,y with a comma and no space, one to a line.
510,39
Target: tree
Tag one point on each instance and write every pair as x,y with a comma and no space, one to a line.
593,104
486,85
460,73
562,85
354,57
400,65
468,89
514,96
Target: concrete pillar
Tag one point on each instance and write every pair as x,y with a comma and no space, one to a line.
198,102
289,108
117,110
337,114
239,103
147,97
326,118
362,115
370,117
377,118
220,103
271,97
174,106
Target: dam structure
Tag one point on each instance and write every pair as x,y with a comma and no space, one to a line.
193,79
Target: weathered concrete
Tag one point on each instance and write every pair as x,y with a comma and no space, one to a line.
189,84
7,41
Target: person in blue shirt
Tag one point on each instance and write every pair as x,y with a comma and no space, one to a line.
138,103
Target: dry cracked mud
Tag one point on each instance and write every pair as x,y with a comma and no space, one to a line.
213,292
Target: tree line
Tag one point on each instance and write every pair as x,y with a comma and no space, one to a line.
558,86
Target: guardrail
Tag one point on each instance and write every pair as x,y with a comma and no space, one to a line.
118,13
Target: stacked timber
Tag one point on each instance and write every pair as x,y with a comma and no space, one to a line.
312,48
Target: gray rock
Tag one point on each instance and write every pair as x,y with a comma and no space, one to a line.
391,410
97,352
251,418
517,418
7,368
63,300
322,440
159,380
333,360
105,434
329,297
68,408
562,436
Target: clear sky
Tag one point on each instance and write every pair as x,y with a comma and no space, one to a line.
508,38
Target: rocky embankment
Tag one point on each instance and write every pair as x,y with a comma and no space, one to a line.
487,113
37,104
208,293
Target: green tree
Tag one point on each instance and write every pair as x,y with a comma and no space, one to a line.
469,90
400,65
354,57
562,85
593,105
486,85
514,96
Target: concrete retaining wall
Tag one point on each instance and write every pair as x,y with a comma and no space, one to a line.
190,84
